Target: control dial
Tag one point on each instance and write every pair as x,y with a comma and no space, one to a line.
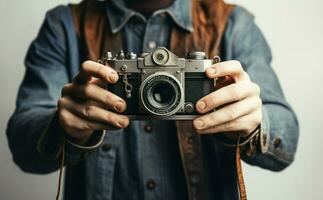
196,55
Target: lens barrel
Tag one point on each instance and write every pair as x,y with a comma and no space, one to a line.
161,94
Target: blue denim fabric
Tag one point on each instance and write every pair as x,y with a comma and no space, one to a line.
146,152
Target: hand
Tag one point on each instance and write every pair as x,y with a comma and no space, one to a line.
237,105
82,107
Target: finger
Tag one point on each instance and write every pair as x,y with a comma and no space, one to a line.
232,69
98,82
93,69
225,95
228,113
93,92
223,81
77,127
245,124
94,113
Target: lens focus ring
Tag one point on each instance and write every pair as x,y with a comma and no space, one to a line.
161,94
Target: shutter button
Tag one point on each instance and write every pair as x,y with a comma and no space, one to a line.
151,184
106,147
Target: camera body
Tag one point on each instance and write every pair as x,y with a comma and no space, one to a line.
159,85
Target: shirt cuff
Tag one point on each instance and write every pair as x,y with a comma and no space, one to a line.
53,137
264,139
259,140
93,143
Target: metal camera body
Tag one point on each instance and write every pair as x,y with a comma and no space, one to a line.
160,85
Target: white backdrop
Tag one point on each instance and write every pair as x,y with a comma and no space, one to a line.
294,30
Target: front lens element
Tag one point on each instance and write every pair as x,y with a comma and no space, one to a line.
163,94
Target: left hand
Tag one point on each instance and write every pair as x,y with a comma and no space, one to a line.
237,105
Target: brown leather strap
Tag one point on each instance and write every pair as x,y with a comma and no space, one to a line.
61,168
241,184
93,30
190,151
209,22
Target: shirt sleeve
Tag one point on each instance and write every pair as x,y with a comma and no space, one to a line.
33,133
279,129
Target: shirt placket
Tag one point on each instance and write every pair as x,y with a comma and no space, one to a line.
156,33
152,171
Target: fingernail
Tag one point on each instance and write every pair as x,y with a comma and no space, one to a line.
201,105
199,124
211,71
113,77
119,107
123,122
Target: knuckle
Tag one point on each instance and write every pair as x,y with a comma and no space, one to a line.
64,119
109,117
108,97
246,75
87,111
236,91
62,115
257,89
65,89
210,119
229,126
88,126
259,116
231,114
253,88
237,65
96,81
258,102
86,90
60,103
211,101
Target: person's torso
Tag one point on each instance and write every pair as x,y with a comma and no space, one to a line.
143,161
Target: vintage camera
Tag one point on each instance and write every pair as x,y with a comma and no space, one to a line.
159,85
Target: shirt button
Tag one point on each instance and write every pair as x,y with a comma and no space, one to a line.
106,147
190,141
277,143
148,128
152,45
151,184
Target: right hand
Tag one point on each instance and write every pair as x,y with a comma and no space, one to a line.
82,109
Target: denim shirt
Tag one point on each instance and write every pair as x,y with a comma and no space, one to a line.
142,161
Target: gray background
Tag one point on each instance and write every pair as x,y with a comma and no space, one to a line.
294,30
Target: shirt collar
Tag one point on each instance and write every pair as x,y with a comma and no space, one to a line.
179,11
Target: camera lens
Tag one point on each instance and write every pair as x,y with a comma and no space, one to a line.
161,94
